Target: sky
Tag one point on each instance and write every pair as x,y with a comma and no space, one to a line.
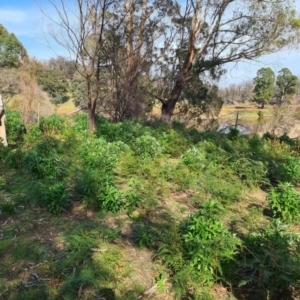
25,20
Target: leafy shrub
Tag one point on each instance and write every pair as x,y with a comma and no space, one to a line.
194,159
110,198
7,207
284,201
147,146
14,158
290,170
97,153
80,123
284,169
196,250
132,198
53,124
222,183
143,236
54,196
174,143
257,146
269,262
252,173
34,133
44,161
99,191
59,99
234,133
125,131
15,128
207,242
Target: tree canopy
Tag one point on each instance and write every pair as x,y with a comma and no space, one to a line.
12,51
286,83
264,86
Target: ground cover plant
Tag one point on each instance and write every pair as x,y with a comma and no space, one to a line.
139,210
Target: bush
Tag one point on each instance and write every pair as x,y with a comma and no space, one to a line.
285,202
43,160
97,153
269,262
53,196
207,242
81,123
252,173
15,128
195,251
194,159
174,143
53,124
110,198
147,146
60,99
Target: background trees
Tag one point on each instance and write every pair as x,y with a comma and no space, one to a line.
287,84
172,43
265,89
12,52
83,36
218,32
264,86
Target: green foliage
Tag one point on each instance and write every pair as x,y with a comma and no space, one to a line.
43,160
156,175
207,242
194,159
54,196
174,142
97,153
285,169
196,250
53,124
59,99
147,147
286,83
95,182
252,173
268,262
285,202
11,50
110,198
131,196
15,128
234,133
53,82
143,236
264,86
286,139
81,123
125,131
7,207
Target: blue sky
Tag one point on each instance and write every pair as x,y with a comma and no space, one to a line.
25,20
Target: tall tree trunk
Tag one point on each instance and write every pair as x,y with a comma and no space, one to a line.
169,106
91,117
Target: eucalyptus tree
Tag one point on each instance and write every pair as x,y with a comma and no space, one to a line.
287,84
133,53
79,26
264,86
217,32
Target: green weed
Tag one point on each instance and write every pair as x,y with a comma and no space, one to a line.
285,202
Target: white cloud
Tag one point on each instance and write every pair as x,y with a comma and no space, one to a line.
12,16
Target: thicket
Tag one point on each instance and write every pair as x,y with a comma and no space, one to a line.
132,168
